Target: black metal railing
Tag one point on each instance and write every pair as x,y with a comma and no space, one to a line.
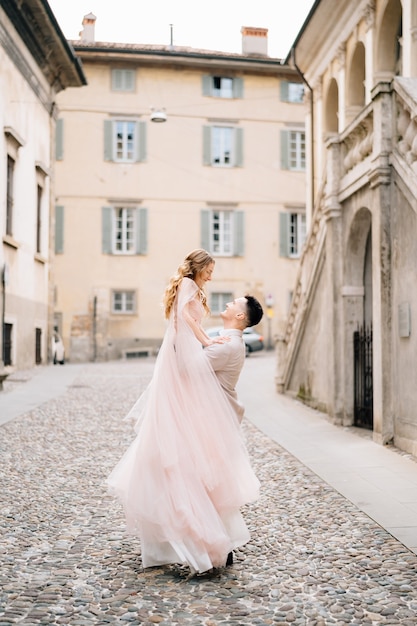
363,413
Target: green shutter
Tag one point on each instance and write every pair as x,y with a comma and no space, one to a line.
141,230
107,229
129,76
238,147
206,84
59,230
205,230
238,87
141,141
284,150
116,80
284,225
239,233
59,140
207,145
108,140
284,91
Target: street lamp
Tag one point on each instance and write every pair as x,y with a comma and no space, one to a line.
158,116
269,302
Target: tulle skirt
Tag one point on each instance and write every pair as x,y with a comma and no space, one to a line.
187,473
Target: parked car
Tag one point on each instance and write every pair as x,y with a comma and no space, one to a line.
253,340
58,350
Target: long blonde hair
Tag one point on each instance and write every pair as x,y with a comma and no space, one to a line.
193,263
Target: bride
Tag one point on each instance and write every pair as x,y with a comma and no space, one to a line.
185,476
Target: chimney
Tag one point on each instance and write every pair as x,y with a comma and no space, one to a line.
254,41
87,34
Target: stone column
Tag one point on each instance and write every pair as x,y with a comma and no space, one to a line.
380,185
369,50
334,269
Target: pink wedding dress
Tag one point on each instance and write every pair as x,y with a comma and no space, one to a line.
185,476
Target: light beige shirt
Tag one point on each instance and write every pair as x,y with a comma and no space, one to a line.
227,360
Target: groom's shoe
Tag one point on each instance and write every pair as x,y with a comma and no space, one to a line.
229,559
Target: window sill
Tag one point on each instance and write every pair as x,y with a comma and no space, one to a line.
40,259
9,241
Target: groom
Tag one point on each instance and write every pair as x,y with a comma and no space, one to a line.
227,358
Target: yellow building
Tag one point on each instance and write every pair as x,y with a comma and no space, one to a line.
169,149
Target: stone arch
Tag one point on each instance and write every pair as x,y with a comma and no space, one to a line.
388,45
355,92
356,246
357,295
331,108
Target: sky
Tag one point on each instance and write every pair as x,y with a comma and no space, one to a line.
210,25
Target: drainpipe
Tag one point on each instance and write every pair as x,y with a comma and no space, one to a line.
303,78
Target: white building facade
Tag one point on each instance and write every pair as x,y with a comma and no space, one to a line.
30,78
350,344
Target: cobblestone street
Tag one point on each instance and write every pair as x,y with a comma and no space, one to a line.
314,558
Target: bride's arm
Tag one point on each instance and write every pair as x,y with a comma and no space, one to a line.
198,331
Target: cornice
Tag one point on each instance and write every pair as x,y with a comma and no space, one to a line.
38,29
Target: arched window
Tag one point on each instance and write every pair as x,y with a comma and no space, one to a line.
355,95
331,108
388,48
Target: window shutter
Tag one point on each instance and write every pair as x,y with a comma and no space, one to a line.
284,150
140,141
141,230
284,91
207,145
130,80
206,84
59,140
108,140
238,147
107,229
59,230
117,80
284,225
238,87
205,230
239,233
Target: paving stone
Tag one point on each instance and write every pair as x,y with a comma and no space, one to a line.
313,559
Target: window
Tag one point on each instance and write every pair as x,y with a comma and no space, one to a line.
124,230
124,141
223,146
10,195
292,92
218,301
293,150
292,234
223,87
39,220
222,232
123,302
123,80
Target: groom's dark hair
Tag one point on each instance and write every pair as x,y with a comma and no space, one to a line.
254,311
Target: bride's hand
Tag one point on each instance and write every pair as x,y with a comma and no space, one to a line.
220,339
